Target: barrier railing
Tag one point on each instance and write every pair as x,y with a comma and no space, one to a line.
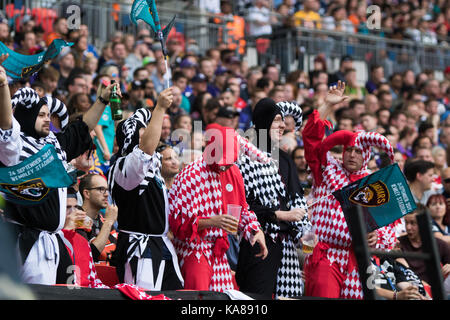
292,49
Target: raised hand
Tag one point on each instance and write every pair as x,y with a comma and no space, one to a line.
165,99
335,94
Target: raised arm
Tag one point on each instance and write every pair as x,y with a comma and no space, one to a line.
314,131
92,116
5,98
152,133
334,97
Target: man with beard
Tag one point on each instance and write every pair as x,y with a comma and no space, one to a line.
331,271
170,164
23,133
103,236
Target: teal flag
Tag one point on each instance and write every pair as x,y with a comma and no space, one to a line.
32,180
384,197
20,66
146,10
141,11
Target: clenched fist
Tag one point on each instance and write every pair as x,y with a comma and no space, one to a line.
165,99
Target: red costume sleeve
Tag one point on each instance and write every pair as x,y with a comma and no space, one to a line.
183,217
313,135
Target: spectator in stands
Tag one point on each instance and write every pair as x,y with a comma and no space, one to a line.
136,186
158,76
225,116
4,30
78,104
369,122
166,130
271,72
137,95
444,136
32,116
170,164
398,119
209,113
413,243
424,154
103,236
76,84
104,138
135,58
376,78
309,16
259,18
440,218
49,77
383,116
119,53
338,21
194,219
345,64
419,174
385,99
199,85
60,30
175,109
352,88
27,43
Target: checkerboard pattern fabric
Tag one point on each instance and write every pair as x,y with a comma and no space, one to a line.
327,215
264,184
196,193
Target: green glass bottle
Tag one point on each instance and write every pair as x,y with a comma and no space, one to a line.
114,103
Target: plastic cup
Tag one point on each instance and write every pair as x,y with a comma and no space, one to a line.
308,241
85,223
234,210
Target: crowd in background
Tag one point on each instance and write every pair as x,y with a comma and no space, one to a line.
411,109
424,21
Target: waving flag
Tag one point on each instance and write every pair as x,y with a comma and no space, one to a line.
146,10
384,197
19,66
32,180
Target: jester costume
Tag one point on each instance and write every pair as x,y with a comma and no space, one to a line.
200,191
144,255
331,271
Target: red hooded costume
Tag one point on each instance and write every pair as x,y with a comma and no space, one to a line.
201,191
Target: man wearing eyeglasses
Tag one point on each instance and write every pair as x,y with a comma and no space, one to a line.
103,236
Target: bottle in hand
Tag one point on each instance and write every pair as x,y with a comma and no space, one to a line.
114,103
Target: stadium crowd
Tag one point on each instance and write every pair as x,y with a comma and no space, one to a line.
411,109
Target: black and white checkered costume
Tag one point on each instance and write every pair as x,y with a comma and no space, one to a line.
265,185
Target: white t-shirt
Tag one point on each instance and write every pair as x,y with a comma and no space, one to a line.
260,15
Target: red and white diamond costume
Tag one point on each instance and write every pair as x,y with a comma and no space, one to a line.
200,192
331,271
